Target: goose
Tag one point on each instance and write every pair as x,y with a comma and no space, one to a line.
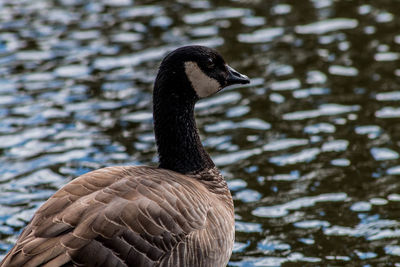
177,214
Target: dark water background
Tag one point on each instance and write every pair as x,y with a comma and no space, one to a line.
310,148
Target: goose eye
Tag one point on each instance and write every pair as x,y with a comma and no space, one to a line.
210,64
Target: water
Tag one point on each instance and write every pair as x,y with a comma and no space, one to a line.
310,148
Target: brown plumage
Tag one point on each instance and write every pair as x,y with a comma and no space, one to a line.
178,215
129,216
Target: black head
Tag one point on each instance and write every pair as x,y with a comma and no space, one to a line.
186,75
202,67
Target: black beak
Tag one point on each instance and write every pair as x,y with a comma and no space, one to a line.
235,77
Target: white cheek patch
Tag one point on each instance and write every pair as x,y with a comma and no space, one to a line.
201,83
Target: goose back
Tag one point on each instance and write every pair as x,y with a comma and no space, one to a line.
131,216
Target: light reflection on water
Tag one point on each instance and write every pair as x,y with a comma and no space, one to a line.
310,148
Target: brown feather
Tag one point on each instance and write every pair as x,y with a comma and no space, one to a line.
126,216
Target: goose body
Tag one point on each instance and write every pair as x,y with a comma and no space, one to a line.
179,214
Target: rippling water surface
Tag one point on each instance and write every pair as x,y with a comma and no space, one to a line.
310,148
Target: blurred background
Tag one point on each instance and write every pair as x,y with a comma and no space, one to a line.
310,148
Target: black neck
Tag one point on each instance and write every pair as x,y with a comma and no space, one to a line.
177,138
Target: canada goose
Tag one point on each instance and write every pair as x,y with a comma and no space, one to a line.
179,214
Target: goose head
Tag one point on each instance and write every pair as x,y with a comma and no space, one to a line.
198,69
186,75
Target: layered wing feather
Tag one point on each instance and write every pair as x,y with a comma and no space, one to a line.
126,216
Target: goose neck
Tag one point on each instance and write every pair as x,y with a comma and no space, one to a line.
178,142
